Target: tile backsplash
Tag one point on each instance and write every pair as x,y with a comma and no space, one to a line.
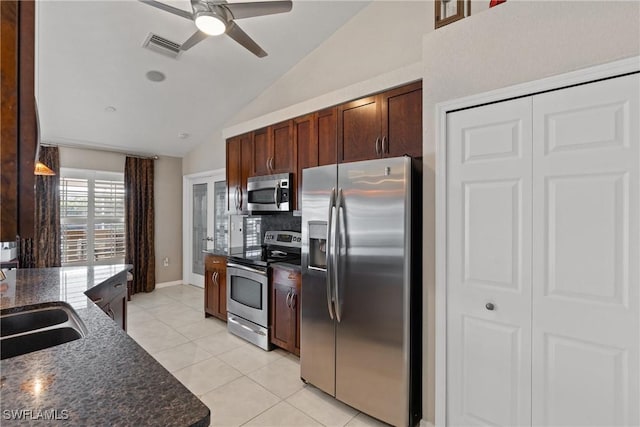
255,226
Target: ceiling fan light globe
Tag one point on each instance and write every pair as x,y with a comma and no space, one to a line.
210,24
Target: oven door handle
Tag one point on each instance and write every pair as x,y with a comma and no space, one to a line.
246,268
235,321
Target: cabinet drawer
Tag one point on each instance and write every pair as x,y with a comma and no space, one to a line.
215,262
286,276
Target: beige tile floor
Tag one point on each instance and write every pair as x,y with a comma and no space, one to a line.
241,384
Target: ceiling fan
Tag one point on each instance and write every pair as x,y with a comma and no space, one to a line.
216,17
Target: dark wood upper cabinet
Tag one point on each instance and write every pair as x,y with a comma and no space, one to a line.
274,149
18,132
239,168
283,149
388,124
327,128
402,121
359,129
306,140
261,152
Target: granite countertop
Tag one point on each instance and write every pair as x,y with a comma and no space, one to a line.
105,378
215,252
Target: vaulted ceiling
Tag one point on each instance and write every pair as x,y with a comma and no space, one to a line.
91,82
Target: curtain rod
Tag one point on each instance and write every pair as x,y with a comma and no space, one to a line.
106,149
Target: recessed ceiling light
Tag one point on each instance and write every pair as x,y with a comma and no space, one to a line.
183,135
110,109
155,76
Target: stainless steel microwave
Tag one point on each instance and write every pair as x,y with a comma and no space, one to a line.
269,193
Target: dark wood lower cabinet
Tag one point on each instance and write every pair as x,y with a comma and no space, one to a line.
111,297
285,308
215,286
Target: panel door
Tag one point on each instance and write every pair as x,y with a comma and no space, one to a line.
246,166
402,121
306,141
261,152
281,316
359,129
586,323
489,265
233,173
283,156
327,136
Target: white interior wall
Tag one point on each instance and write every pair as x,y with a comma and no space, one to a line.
516,42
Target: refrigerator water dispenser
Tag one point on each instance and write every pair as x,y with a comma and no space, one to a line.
318,245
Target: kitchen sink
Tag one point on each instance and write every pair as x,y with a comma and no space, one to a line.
33,329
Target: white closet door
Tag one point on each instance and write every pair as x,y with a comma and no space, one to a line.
489,262
586,324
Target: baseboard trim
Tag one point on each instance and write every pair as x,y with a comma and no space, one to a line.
167,284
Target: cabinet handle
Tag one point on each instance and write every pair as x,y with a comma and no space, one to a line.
293,301
267,163
384,138
287,300
378,146
271,164
110,313
239,198
489,306
117,285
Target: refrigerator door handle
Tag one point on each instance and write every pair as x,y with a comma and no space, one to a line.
336,254
332,202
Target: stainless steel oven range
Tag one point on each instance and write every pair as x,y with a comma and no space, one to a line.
248,285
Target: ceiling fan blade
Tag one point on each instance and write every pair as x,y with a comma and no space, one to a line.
167,8
248,10
196,38
236,33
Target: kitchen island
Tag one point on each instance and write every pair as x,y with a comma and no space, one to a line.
104,378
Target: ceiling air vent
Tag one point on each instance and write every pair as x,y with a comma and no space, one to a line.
163,46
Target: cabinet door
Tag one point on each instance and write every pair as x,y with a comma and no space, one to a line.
281,316
210,293
306,140
489,265
586,221
402,121
261,152
246,166
283,154
359,132
233,173
222,293
327,134
295,306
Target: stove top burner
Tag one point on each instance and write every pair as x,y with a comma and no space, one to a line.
281,246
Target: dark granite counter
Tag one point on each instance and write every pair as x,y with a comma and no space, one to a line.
215,252
105,378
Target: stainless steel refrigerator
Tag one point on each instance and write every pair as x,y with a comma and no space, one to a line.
360,337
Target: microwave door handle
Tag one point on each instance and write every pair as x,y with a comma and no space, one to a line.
332,200
276,195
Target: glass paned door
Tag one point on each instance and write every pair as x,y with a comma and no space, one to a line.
199,227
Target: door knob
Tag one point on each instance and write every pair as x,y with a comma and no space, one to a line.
489,306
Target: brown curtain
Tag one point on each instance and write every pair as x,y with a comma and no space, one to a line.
138,184
47,211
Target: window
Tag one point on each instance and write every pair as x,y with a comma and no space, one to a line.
91,217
